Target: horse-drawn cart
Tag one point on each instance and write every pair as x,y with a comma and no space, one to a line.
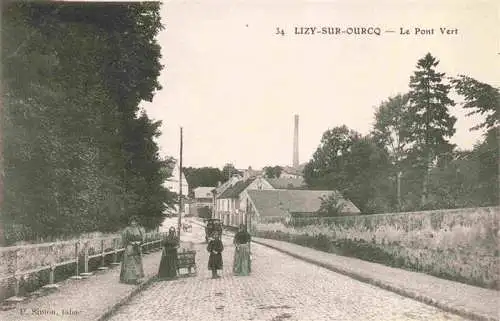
186,259
212,225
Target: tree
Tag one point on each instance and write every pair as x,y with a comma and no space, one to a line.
488,156
332,205
391,131
481,98
147,196
71,145
324,170
273,171
352,164
204,176
430,124
228,171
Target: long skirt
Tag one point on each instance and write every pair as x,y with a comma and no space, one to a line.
215,261
168,264
241,263
132,270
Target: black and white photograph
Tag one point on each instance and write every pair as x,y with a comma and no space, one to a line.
250,160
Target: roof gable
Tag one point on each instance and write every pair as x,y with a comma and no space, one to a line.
203,192
235,190
280,202
286,183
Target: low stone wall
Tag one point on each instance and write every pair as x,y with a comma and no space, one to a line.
28,266
459,244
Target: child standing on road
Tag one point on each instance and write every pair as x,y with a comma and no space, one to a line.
215,248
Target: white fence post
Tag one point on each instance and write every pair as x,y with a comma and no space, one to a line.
115,249
52,284
86,272
103,265
77,261
17,279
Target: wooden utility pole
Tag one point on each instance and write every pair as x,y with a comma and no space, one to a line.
180,191
2,224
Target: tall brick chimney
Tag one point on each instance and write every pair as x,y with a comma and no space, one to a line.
296,143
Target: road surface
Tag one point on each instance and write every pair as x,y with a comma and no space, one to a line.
280,288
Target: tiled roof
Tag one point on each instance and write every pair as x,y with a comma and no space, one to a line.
203,192
235,190
219,190
279,202
286,183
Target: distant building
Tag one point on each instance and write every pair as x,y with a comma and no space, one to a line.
249,172
227,207
292,172
231,200
203,196
172,184
265,205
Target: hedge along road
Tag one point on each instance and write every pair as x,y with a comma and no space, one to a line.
279,288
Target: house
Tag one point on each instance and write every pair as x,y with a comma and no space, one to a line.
231,201
293,172
219,190
227,207
203,196
248,173
269,205
172,183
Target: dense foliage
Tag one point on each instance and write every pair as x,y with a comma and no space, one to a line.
203,176
78,154
407,162
273,171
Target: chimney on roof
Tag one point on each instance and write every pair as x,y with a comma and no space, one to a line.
218,184
296,143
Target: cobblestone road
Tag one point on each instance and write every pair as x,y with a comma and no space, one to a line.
281,288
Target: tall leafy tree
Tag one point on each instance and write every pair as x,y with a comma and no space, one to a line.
324,170
431,125
481,98
203,176
146,194
353,165
73,79
273,171
391,131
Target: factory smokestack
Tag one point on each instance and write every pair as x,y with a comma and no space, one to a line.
296,143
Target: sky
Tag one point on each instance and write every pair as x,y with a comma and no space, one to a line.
234,85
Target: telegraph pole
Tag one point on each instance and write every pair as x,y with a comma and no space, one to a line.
180,190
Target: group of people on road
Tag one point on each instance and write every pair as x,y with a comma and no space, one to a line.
132,271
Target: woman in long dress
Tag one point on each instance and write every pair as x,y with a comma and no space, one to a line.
241,263
215,248
132,270
168,263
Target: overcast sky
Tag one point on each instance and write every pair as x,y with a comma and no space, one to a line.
234,85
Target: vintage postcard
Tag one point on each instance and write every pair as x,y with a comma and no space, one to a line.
250,160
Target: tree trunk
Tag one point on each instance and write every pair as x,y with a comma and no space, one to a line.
398,180
425,184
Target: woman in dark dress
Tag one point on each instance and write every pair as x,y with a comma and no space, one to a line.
215,248
132,270
241,265
168,263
